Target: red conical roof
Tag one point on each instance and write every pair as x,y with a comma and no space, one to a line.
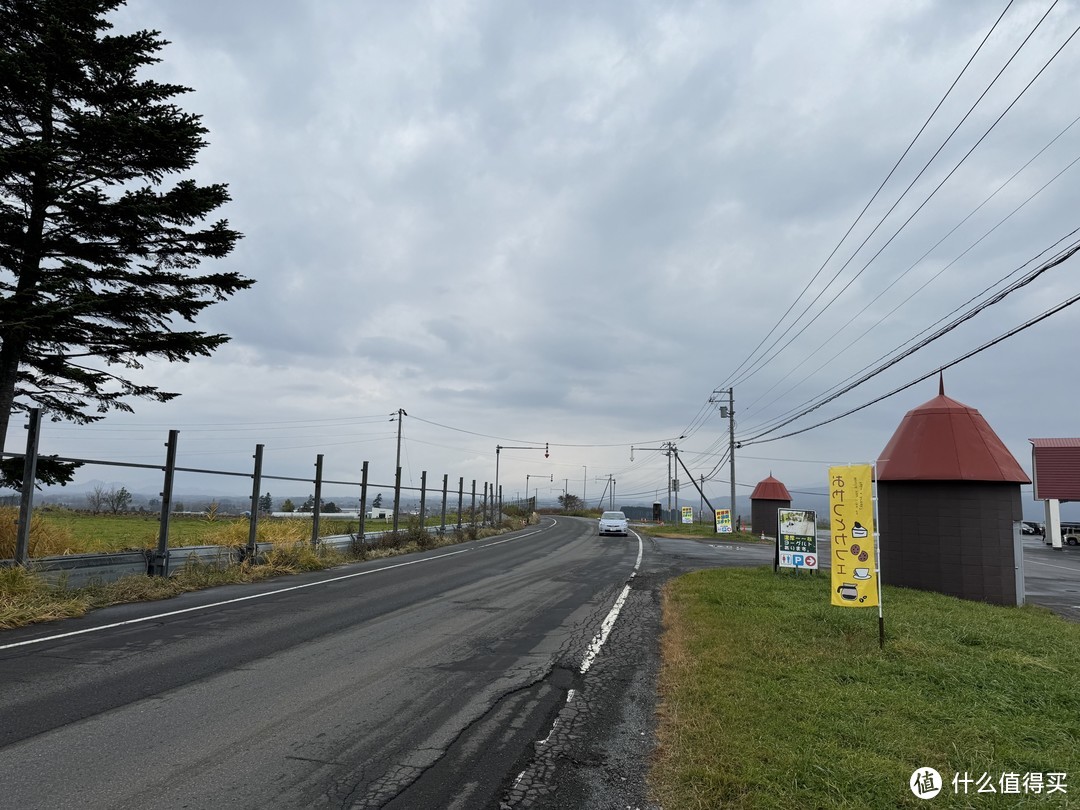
945,440
770,490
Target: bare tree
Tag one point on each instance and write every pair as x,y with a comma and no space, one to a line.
96,498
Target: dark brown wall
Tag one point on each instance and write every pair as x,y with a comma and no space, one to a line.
763,517
954,537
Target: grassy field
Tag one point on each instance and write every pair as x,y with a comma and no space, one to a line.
26,598
55,533
771,698
77,533
705,531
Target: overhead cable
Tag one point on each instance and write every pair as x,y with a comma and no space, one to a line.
760,363
874,196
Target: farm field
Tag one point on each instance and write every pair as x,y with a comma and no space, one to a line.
57,532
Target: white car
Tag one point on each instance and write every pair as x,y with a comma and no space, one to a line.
614,523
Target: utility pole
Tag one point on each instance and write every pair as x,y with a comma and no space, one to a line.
731,446
668,449
728,412
397,466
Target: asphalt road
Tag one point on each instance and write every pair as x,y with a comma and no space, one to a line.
514,671
518,671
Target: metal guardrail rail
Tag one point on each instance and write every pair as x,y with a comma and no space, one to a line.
83,570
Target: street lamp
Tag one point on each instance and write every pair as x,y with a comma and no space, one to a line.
551,477
496,497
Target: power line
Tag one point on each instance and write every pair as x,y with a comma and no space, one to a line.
729,380
923,286
763,360
1048,313
890,358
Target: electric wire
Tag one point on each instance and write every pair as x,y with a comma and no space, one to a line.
856,340
759,439
729,380
766,359
899,353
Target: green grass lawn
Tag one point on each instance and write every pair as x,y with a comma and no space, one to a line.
86,533
772,698
705,531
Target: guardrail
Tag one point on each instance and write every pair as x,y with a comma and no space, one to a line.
99,568
157,563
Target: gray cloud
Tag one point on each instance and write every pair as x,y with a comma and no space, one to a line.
570,223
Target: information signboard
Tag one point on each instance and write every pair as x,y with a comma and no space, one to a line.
723,521
688,514
797,538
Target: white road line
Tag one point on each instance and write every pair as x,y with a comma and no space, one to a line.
1073,568
166,615
605,628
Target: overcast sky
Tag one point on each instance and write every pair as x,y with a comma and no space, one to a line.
568,223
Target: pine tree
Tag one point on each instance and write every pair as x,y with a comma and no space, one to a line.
98,252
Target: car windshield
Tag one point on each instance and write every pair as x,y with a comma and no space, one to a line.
613,516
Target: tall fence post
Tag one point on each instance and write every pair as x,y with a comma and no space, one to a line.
499,513
460,499
423,500
160,567
316,510
26,502
472,509
363,500
253,520
397,497
442,522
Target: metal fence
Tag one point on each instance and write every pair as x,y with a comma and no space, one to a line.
488,510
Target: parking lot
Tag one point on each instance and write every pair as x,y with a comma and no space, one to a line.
1051,576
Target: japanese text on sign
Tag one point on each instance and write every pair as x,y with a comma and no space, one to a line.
851,515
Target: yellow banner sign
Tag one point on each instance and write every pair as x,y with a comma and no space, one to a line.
851,516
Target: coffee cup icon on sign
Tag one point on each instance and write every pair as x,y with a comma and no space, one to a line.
849,591
858,530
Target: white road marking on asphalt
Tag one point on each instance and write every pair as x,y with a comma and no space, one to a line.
605,629
166,615
1052,565
548,737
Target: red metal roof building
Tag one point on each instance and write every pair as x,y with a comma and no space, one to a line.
946,440
768,497
949,502
770,489
1055,466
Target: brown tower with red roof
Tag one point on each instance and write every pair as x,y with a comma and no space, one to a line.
949,504
768,496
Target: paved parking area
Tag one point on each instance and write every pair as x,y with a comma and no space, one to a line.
1052,577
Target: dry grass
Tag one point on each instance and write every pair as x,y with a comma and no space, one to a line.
46,539
27,599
